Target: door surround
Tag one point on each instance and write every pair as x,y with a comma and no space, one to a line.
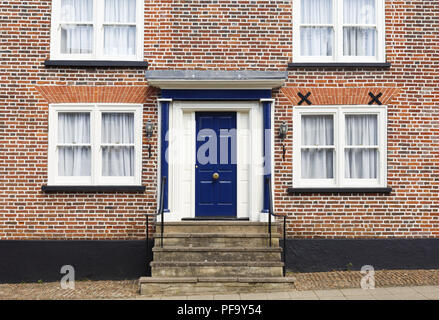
181,157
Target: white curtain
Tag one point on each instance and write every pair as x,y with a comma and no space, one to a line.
120,11
76,38
74,128
76,10
359,12
120,40
117,128
361,163
359,41
314,40
317,163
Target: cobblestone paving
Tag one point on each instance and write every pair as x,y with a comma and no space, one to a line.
127,289
351,279
310,285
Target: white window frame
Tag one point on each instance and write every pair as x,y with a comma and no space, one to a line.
96,177
338,36
98,34
339,180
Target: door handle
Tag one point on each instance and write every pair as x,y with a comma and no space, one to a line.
215,176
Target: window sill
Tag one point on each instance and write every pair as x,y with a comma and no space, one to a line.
339,190
95,63
82,189
352,65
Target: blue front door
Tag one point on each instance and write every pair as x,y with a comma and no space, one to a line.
215,168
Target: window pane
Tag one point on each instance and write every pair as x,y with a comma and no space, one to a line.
74,161
316,41
361,130
76,10
359,11
117,128
318,130
118,161
74,127
76,39
316,11
119,40
317,163
361,163
358,41
120,11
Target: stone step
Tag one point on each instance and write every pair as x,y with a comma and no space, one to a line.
242,227
216,269
208,254
218,240
214,285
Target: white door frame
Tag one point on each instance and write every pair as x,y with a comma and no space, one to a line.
181,156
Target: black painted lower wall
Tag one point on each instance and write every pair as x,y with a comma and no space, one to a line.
316,255
29,261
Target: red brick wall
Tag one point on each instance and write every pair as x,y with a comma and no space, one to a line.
219,35
412,209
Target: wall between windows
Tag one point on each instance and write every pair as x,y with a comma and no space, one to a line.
221,35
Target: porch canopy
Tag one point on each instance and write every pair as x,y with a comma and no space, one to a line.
207,79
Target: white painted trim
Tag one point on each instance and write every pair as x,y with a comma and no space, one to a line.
98,27
338,36
216,84
264,216
339,112
177,149
95,111
159,153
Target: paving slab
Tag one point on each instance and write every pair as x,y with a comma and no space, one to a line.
302,294
328,293
226,297
385,297
305,298
333,298
278,296
357,297
431,296
410,296
356,292
426,289
379,291
254,296
148,298
402,290
175,298
201,297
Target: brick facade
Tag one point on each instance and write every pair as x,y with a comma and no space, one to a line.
220,35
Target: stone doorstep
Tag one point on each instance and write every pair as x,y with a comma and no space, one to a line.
210,249
216,254
213,285
216,240
216,227
218,280
216,264
217,223
216,235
